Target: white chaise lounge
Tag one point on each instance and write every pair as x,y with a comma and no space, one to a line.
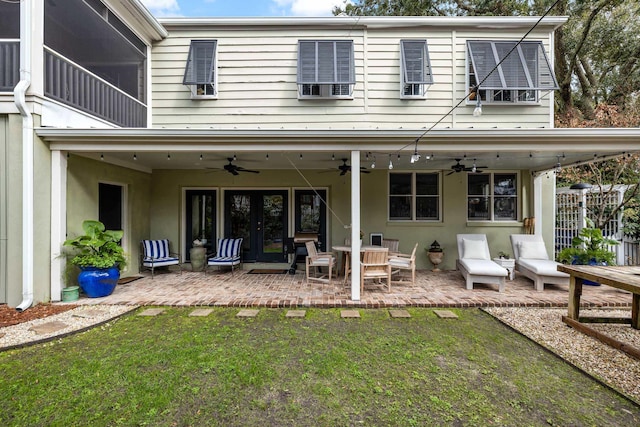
475,264
532,260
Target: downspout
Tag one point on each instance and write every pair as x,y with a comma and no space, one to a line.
19,95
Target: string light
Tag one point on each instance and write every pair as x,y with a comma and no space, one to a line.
473,168
267,156
477,112
333,156
390,162
135,157
373,165
101,156
168,156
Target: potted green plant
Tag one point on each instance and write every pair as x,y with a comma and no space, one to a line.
589,247
99,256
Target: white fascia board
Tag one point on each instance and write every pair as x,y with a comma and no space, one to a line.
152,28
486,22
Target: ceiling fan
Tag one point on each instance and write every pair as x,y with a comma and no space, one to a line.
459,167
344,168
235,169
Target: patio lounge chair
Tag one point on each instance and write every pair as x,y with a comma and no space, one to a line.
532,261
227,254
475,264
155,253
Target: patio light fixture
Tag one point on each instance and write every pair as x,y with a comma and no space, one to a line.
477,112
390,162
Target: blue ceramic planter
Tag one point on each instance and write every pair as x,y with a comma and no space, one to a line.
591,262
98,282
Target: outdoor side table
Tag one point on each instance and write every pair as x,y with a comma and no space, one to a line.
198,256
509,264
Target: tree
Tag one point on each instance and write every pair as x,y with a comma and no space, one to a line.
597,52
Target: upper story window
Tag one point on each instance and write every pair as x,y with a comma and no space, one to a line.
415,69
200,72
492,196
414,196
325,69
519,78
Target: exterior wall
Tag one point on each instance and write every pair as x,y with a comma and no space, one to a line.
166,205
83,178
257,81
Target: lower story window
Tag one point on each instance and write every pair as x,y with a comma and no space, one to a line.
492,197
414,197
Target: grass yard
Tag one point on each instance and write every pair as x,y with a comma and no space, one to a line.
320,370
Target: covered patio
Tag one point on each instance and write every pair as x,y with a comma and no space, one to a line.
441,289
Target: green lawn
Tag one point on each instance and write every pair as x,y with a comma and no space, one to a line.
320,370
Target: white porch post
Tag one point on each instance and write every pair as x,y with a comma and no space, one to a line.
355,225
537,202
58,220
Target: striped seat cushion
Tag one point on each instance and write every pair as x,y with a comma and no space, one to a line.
156,249
228,252
160,262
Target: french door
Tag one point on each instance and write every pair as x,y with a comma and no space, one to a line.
260,218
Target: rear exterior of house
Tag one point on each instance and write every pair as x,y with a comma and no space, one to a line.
206,128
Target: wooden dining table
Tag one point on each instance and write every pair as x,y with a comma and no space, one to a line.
346,257
620,277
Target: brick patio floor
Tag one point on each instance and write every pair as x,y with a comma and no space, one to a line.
442,289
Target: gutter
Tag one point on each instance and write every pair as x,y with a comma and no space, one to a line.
19,93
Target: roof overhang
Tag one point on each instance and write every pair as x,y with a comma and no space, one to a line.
480,22
533,149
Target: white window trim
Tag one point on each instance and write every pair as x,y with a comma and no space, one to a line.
424,86
492,219
414,197
194,88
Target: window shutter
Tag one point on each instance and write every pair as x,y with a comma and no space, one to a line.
325,62
200,63
527,67
416,66
307,62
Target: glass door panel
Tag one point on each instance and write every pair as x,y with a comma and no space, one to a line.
201,217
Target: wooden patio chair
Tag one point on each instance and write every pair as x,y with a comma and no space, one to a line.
375,265
400,262
315,261
392,244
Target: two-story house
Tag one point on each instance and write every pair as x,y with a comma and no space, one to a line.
205,128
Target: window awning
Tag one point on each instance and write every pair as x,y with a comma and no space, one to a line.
525,67
416,66
200,63
325,62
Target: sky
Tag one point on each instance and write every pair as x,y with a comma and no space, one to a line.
220,8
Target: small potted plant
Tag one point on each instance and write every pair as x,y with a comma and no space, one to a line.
435,254
503,255
99,256
589,247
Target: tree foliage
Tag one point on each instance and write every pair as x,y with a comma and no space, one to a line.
597,52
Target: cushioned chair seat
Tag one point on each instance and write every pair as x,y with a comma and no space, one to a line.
544,267
481,267
156,253
227,255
